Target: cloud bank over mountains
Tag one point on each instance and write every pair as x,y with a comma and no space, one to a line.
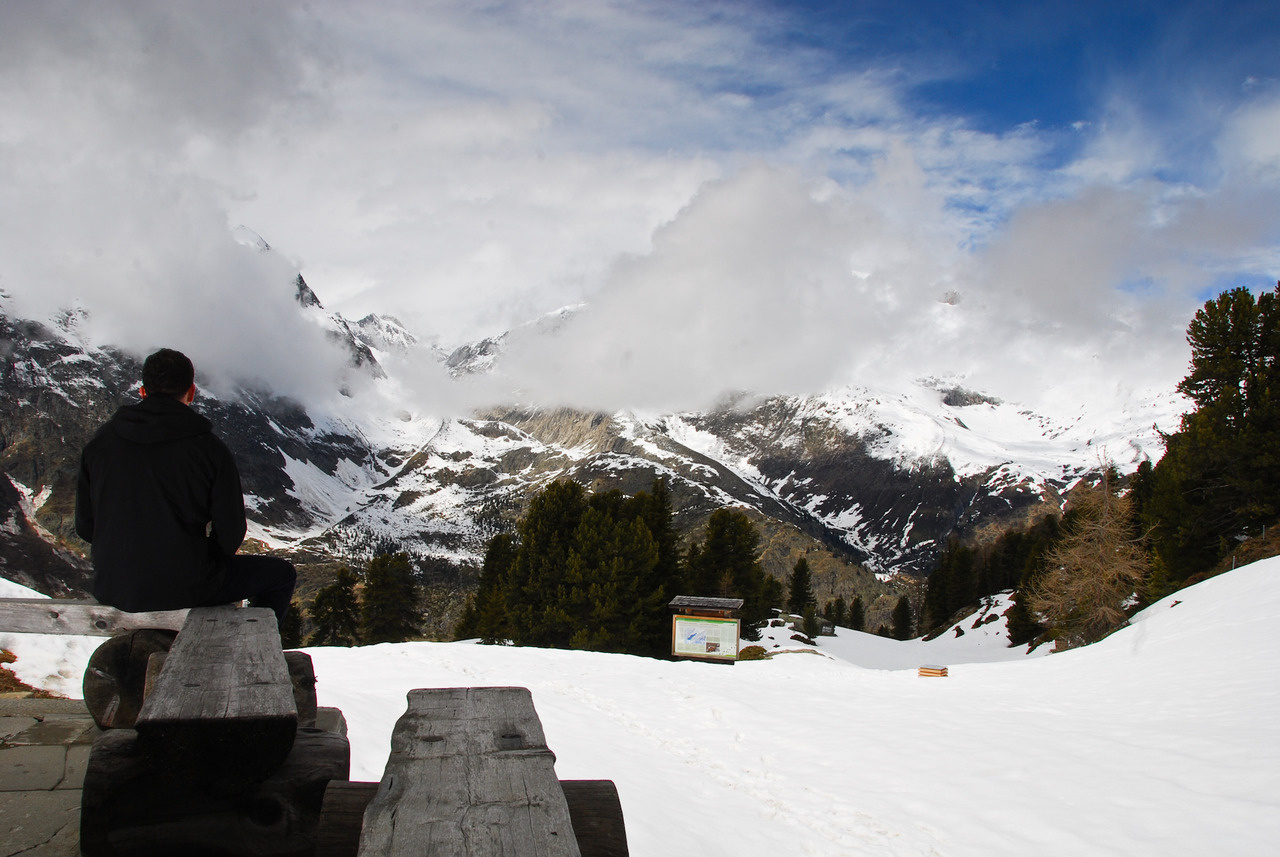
738,203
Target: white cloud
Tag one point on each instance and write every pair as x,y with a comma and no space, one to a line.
1251,142
738,214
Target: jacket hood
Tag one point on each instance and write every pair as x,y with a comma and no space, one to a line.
158,420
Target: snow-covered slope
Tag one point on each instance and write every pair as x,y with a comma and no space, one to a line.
983,638
1160,740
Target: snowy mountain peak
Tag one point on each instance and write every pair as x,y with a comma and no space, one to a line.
246,236
384,333
305,296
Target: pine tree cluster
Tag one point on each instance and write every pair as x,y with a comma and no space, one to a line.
965,574
1072,577
1219,480
598,571
846,614
386,609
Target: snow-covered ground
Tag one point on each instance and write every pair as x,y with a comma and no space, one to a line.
1161,740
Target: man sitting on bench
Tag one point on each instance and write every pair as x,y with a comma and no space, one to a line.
159,500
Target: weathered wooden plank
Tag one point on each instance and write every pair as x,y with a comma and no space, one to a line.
469,775
65,616
302,674
225,663
222,705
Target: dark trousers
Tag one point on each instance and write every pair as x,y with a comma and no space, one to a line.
267,581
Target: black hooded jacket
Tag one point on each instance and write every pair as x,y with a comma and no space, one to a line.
159,499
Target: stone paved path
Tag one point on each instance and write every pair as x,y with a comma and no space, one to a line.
44,749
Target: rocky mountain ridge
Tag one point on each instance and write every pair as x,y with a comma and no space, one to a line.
862,481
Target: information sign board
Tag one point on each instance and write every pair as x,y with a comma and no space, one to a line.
704,637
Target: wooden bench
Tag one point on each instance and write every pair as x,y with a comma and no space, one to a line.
470,774
224,759
216,763
222,705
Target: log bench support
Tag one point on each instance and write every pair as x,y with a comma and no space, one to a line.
217,763
131,807
594,809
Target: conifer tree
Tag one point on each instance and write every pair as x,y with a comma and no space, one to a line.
809,622
857,614
944,584
654,509
727,563
335,613
800,586
603,600
389,610
1022,626
902,619
664,581
772,595
838,611
291,629
1092,571
536,577
1220,477
486,612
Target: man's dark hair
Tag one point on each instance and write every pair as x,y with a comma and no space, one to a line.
168,373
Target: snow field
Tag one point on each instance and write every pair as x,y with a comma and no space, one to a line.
1161,740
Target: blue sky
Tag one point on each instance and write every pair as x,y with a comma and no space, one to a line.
777,196
1005,63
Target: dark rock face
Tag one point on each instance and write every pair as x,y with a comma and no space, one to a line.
888,516
29,557
958,397
53,396
262,433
